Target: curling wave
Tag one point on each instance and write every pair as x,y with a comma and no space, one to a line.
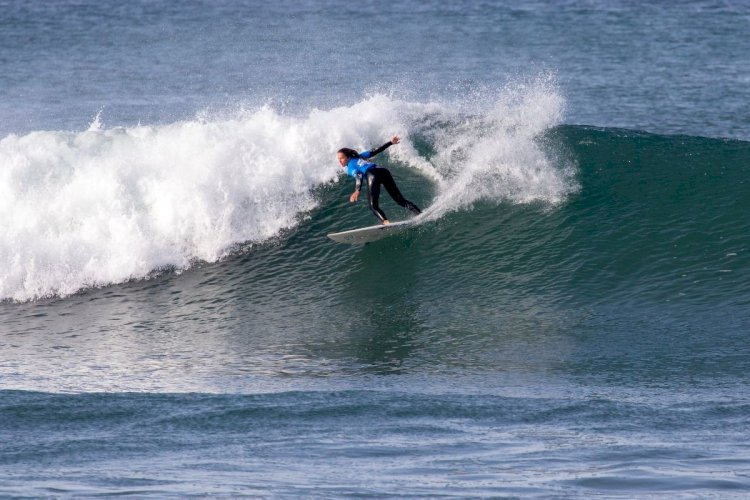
102,206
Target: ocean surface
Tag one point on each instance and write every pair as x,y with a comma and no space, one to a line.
569,318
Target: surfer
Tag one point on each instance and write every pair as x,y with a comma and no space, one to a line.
375,176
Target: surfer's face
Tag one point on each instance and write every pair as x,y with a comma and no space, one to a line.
342,159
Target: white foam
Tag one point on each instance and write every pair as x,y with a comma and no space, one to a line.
488,149
108,205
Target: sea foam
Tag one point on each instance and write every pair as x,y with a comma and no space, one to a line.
86,209
488,148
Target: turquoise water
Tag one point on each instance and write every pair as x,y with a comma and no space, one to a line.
569,319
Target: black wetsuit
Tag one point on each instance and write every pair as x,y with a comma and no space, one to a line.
376,177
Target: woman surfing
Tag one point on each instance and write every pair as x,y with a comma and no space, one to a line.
375,176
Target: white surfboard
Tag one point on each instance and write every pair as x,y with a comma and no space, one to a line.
370,234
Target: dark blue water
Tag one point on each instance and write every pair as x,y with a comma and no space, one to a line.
568,319
664,67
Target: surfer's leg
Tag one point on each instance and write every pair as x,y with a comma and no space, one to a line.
373,193
390,186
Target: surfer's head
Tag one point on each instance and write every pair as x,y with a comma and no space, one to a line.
346,154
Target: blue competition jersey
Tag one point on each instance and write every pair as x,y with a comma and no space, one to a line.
358,165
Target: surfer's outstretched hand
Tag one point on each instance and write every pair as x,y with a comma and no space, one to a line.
354,196
395,139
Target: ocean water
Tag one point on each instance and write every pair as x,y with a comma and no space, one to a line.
569,318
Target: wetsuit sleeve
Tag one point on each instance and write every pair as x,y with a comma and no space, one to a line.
373,152
358,183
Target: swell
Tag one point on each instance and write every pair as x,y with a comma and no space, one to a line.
166,413
166,444
659,217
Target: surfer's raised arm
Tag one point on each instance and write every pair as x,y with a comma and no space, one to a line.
374,176
369,154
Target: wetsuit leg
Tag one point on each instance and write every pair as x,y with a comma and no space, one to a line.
373,193
390,186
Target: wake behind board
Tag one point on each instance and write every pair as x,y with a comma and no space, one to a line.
370,234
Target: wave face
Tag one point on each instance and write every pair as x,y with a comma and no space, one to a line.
611,211
659,218
106,206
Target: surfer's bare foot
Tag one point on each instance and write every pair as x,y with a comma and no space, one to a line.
386,222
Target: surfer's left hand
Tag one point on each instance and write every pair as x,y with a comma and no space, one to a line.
354,196
395,139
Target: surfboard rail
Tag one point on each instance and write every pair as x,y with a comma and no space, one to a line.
371,233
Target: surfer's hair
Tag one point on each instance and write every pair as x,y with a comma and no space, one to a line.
349,152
